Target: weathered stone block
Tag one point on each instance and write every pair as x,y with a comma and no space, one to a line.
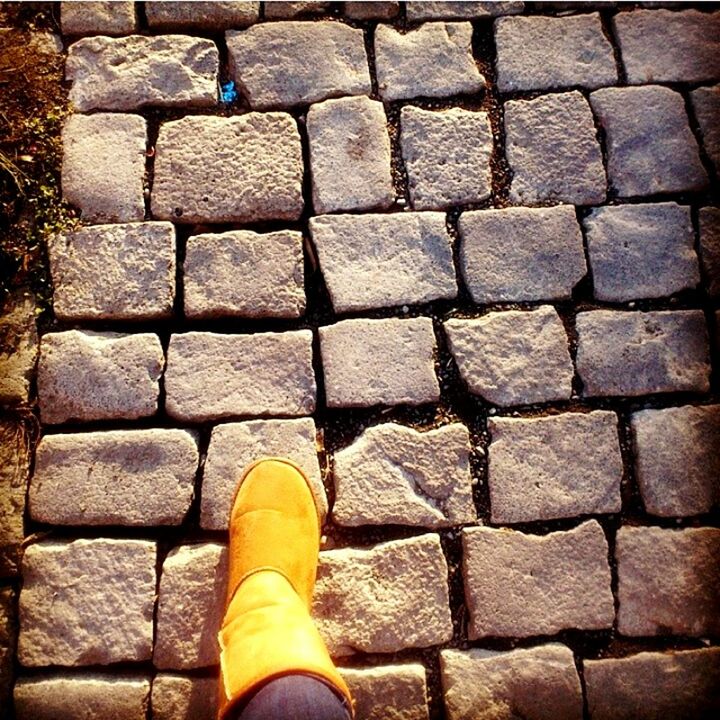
98,18
706,104
710,247
280,10
428,10
371,10
18,347
205,16
181,696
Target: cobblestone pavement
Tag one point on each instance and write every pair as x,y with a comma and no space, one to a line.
460,261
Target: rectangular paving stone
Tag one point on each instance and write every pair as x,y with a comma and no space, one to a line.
245,168
668,46
371,10
379,362
395,475
177,696
383,599
519,585
205,16
98,18
114,272
18,347
709,218
638,353
86,376
538,683
539,53
8,641
244,273
553,151
521,254
284,64
447,156
433,60
235,446
141,71
350,155
649,685
668,581
650,146
551,467
706,104
514,357
384,260
103,166
87,602
118,477
211,376
428,10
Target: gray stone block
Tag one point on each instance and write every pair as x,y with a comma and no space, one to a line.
98,18
371,10
429,10
203,16
183,696
706,104
279,10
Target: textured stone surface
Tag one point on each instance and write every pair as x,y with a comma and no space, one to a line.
650,146
244,273
395,475
101,18
371,10
641,251
98,376
208,15
384,260
103,166
710,247
447,156
521,253
175,697
211,376
669,581
649,685
666,46
8,639
434,60
513,358
553,151
389,692
349,155
297,63
539,683
519,585
281,10
637,353
706,104
392,596
87,602
138,71
379,362
427,10
244,168
120,477
136,262
235,446
537,53
89,696
18,347
557,466
190,607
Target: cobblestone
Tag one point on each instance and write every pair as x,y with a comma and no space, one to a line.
283,64
104,165
371,10
282,10
650,146
553,151
212,376
14,470
514,357
428,10
209,15
136,262
519,585
245,168
434,60
540,683
521,254
270,283
87,602
349,155
641,251
447,156
539,53
180,696
551,467
379,362
395,475
669,581
638,353
137,71
8,640
710,247
119,477
383,260
706,104
101,18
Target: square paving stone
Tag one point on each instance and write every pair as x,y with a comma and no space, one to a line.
641,251
87,602
103,167
521,254
553,151
447,156
379,362
205,16
706,104
98,18
176,696
429,10
650,146
710,248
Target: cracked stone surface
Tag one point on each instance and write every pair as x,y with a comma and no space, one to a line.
183,696
98,18
212,15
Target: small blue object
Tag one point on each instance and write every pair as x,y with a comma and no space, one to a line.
228,93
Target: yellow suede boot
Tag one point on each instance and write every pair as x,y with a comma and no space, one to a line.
267,631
